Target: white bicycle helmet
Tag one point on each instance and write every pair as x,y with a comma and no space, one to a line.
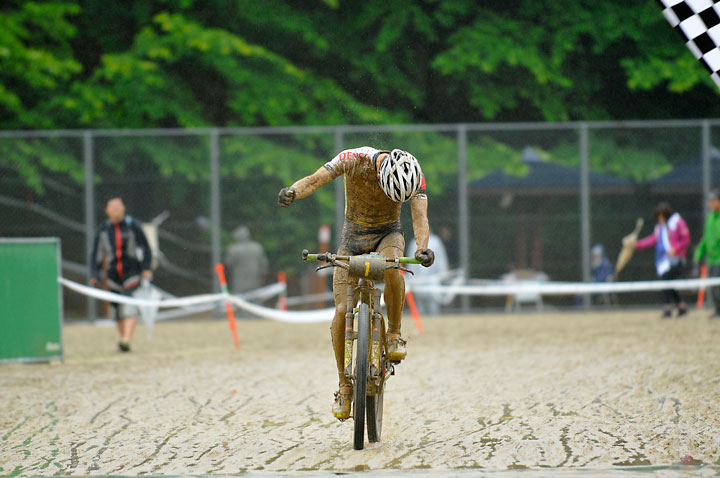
400,175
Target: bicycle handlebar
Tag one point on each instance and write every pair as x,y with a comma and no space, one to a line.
330,257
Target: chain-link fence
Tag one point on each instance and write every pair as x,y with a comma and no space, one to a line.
503,197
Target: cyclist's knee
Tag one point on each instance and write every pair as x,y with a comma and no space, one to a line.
340,309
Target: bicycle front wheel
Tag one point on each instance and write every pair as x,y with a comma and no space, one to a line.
374,403
361,374
374,415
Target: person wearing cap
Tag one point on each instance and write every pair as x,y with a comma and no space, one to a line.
709,248
602,269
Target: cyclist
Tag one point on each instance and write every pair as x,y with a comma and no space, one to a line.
376,184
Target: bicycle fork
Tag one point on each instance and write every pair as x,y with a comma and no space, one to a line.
350,333
377,373
377,339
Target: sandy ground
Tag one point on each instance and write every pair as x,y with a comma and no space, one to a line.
491,392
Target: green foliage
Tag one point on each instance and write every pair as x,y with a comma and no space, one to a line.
36,59
178,72
260,159
185,63
65,64
608,157
32,159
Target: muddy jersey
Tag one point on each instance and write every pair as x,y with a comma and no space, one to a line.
365,201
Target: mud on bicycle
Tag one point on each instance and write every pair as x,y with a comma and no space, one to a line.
366,360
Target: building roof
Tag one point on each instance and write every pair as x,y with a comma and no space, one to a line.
544,177
687,176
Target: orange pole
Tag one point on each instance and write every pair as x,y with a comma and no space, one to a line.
414,312
282,299
413,309
701,292
220,269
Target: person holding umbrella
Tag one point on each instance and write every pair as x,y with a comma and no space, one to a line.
671,238
118,240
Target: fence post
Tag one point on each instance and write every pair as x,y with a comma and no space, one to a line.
339,191
88,152
706,168
463,211
585,207
215,220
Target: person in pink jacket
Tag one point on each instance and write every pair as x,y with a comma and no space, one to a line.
671,238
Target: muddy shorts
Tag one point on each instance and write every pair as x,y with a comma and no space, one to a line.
359,239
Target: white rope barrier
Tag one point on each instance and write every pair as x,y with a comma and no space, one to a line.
265,292
292,316
566,288
260,295
325,315
306,299
184,312
124,299
310,316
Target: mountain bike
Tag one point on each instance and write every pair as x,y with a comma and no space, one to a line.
365,337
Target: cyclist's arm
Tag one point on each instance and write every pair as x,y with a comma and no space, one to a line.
421,226
309,184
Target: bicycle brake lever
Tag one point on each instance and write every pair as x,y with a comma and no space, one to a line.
323,267
398,266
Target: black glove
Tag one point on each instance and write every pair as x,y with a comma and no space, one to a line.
286,196
426,257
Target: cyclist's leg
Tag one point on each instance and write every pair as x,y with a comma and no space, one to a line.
351,242
343,397
393,245
337,328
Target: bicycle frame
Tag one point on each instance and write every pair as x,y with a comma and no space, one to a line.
365,293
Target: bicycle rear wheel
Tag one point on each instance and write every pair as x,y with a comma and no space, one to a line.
361,374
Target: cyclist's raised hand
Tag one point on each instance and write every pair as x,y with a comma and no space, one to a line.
426,257
286,196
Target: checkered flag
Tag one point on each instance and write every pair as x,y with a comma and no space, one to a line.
699,22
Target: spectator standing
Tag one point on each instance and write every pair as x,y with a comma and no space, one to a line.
602,269
121,240
246,261
709,248
671,238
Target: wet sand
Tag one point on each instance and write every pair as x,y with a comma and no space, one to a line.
494,392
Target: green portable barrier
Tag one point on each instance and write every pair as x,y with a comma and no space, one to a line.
30,300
